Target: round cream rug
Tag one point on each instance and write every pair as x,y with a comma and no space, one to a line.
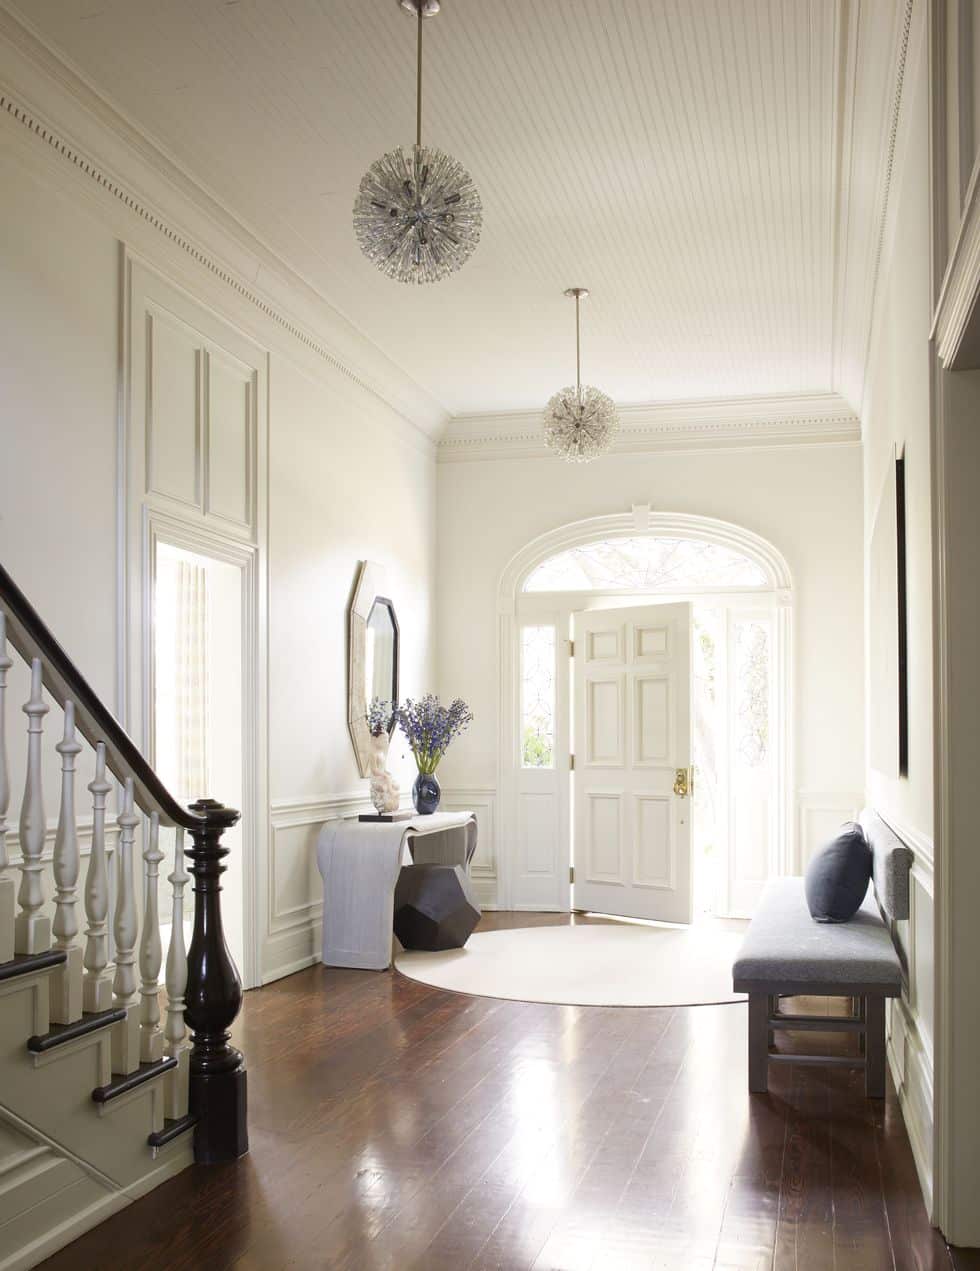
607,964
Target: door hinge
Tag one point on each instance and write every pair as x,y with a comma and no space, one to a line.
571,873
571,648
571,763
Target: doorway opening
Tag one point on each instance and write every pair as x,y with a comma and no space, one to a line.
730,762
198,706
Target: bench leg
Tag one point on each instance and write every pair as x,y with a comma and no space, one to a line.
874,1050
758,1043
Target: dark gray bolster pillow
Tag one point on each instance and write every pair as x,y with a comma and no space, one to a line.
837,877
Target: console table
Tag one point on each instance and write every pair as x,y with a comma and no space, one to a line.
359,862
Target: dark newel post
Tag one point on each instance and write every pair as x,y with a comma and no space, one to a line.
214,998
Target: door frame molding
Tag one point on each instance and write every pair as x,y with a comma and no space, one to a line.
512,604
144,515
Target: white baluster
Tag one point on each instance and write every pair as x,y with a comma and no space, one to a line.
97,983
125,927
151,951
32,930
66,982
175,1032
8,888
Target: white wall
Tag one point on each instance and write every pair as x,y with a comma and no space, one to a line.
896,418
348,477
805,500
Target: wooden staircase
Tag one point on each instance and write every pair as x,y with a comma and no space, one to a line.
101,1099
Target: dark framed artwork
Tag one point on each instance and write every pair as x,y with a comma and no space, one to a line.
888,732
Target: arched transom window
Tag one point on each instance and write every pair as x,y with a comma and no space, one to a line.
649,563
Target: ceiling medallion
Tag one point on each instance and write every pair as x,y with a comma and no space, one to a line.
417,217
579,422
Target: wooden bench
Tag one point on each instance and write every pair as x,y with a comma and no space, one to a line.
786,954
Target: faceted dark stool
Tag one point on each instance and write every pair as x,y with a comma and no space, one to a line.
435,907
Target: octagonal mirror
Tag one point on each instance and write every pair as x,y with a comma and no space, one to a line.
372,656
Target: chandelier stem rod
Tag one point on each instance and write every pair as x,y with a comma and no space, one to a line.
578,350
418,85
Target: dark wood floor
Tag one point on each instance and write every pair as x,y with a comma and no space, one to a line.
398,1126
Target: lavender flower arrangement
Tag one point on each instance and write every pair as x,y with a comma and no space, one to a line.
380,717
430,727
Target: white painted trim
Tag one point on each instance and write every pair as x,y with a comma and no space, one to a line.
885,204
640,520
812,419
159,527
960,291
52,99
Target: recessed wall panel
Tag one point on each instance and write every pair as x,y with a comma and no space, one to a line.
230,428
173,422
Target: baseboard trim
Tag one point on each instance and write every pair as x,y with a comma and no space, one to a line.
911,1070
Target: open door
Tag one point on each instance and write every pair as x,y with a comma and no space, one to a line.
632,739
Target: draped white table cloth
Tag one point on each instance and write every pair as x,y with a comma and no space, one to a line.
359,863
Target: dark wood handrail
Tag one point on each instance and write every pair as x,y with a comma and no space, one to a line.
29,635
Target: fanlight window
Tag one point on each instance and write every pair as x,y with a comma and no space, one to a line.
647,564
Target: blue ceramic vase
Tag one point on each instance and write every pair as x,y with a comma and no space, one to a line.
426,793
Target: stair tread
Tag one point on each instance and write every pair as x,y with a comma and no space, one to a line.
25,963
59,1034
132,1080
172,1128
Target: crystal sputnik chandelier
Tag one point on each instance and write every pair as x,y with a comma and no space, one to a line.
417,217
579,422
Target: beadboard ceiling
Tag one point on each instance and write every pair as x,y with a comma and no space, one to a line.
714,170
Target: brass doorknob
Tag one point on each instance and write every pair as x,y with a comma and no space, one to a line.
680,783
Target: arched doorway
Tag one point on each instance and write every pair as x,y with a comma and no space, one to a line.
740,592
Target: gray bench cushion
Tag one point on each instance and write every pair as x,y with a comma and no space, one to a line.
785,947
891,865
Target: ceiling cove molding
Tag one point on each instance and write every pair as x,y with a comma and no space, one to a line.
819,418
955,323
872,57
892,164
38,90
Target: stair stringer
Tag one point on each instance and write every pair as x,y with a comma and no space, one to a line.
67,1163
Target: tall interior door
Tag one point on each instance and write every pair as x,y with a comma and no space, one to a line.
632,747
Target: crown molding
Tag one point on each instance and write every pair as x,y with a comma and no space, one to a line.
818,418
956,324
872,53
61,109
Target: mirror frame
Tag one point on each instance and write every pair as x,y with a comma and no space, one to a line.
368,591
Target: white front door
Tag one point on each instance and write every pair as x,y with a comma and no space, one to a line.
632,747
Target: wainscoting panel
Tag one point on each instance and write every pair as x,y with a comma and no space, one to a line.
294,921
911,1017
483,870
819,816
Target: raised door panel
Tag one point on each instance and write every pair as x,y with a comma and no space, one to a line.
650,643
231,439
604,837
604,646
604,722
173,409
653,846
651,721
